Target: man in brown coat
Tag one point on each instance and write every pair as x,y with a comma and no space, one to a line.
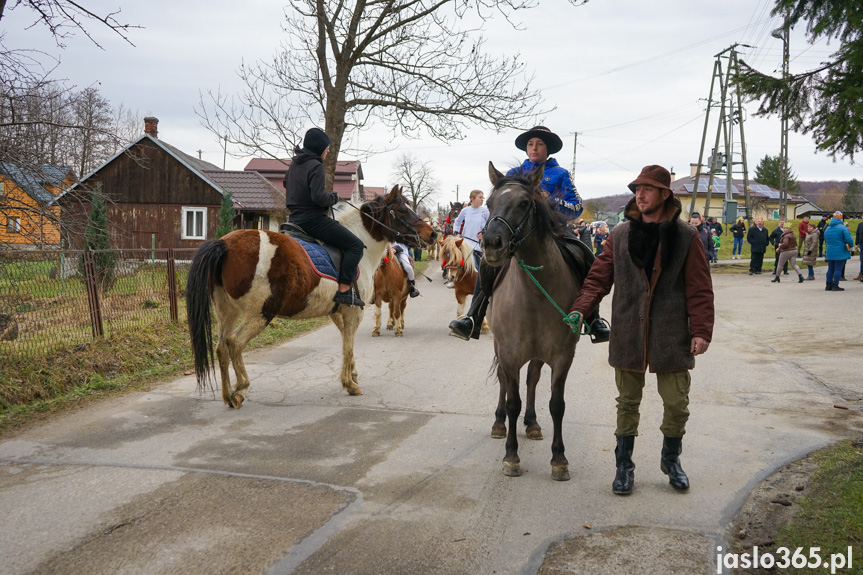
662,312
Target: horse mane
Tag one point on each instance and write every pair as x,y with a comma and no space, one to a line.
465,250
549,221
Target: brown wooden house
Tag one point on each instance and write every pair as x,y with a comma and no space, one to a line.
158,196
28,217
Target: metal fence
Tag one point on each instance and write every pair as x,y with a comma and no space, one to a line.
53,300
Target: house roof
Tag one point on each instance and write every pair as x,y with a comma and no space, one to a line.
684,186
198,167
280,166
372,192
250,190
34,180
344,188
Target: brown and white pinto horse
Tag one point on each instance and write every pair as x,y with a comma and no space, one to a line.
253,276
391,286
460,269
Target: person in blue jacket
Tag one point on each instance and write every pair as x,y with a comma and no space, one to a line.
539,143
837,242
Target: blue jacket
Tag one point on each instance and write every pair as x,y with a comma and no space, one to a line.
558,183
836,235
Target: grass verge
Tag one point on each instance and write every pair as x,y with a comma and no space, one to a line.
830,515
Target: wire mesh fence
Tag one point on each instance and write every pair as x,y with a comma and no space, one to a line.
53,300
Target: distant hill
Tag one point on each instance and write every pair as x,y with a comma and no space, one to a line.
813,190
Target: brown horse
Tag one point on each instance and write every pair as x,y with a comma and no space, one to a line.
528,326
391,286
433,249
460,269
253,276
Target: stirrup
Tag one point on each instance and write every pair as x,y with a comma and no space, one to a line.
598,335
456,332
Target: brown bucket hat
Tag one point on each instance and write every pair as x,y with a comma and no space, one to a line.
655,176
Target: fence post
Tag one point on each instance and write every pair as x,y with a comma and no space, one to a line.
93,295
172,285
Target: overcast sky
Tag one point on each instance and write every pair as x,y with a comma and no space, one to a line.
630,77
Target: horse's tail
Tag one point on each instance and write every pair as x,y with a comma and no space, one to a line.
205,271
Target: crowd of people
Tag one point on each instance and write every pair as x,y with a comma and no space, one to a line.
830,239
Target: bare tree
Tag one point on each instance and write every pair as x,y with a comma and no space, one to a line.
417,180
45,125
413,65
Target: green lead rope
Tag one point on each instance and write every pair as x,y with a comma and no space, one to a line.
573,319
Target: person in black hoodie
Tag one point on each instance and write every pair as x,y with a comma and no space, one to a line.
309,203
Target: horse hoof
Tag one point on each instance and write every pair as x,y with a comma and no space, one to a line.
390,328
511,469
400,334
560,472
534,432
237,401
353,389
498,431
376,333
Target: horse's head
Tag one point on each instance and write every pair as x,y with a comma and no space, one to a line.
517,210
389,218
456,255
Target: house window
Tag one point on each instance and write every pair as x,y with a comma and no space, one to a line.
194,223
13,225
2,189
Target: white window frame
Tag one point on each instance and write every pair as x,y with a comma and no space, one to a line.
185,231
13,225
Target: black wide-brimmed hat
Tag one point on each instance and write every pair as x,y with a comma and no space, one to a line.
552,141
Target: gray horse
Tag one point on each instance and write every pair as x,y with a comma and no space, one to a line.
527,323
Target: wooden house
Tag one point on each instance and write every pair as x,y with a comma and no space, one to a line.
158,196
28,217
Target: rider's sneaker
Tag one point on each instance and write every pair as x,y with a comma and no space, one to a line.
348,298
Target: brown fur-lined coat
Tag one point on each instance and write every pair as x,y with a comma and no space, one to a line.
652,322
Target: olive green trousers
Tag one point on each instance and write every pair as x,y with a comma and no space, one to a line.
673,388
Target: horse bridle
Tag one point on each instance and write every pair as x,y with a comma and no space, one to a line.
399,219
514,243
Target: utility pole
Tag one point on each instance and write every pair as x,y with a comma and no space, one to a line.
456,193
728,116
225,155
574,146
783,34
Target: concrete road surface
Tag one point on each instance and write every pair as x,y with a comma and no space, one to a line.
406,478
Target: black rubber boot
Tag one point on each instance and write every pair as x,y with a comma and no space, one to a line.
599,330
624,477
837,288
829,287
669,464
412,287
800,279
468,326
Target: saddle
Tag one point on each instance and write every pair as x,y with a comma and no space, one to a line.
577,256
326,259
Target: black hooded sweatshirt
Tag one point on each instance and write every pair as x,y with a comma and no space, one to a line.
305,194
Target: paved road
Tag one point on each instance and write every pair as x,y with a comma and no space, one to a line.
405,478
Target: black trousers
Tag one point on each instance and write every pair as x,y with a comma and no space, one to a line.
756,261
332,232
